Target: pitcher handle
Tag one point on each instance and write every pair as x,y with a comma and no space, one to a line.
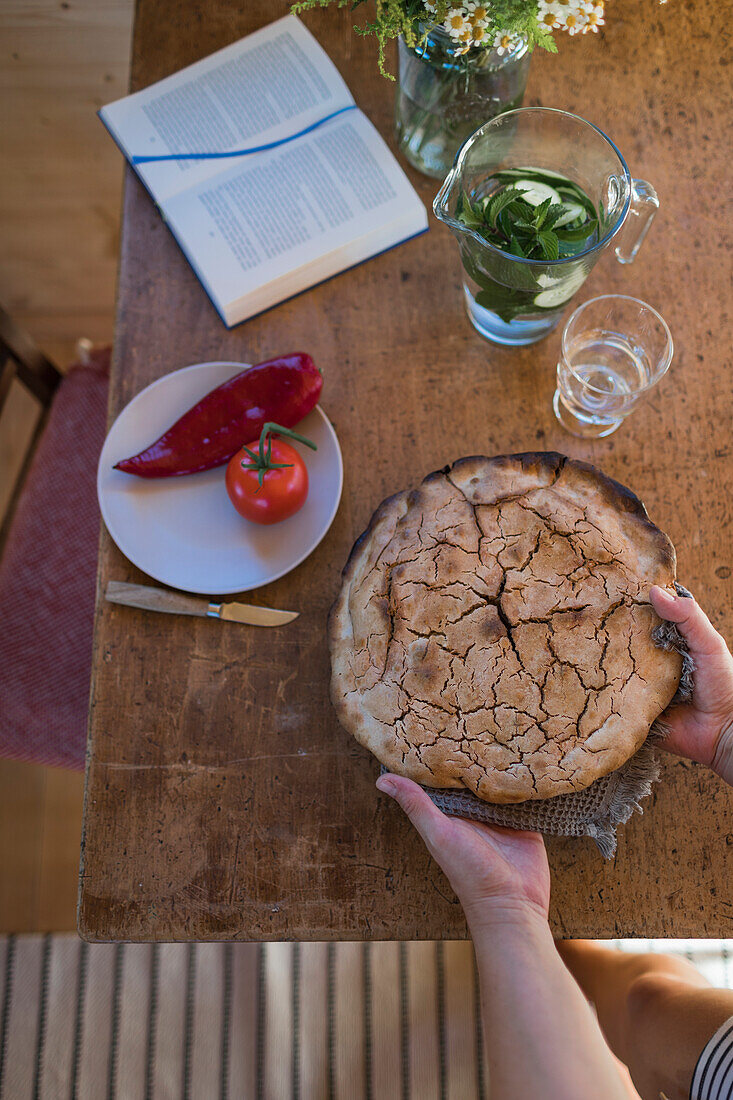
644,205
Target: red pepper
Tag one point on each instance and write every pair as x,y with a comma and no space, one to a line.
283,389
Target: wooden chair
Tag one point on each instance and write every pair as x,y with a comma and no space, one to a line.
48,549
20,358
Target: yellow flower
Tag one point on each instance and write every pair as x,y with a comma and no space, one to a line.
575,22
456,23
504,41
549,13
593,11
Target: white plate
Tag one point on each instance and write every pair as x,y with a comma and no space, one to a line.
183,531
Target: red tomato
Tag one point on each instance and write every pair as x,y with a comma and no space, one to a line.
283,490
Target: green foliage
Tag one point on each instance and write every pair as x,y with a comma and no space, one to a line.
512,224
411,20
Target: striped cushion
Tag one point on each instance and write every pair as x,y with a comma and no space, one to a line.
47,578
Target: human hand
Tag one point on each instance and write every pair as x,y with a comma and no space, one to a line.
703,728
497,873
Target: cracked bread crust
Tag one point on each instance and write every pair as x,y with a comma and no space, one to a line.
493,629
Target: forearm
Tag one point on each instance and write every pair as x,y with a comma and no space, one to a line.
542,1038
722,761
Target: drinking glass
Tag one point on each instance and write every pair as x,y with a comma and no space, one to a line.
614,350
512,300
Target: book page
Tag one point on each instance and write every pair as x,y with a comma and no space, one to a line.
264,88
295,215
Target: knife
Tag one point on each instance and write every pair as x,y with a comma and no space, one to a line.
174,603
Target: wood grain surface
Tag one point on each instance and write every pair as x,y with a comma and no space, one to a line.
61,182
223,801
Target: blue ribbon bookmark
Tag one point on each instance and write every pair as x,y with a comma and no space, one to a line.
241,152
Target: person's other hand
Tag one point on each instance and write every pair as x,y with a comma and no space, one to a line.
703,728
496,873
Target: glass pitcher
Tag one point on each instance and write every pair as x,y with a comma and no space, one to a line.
513,300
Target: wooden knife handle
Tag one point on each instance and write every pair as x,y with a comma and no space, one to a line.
155,599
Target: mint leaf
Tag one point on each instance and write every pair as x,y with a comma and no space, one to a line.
520,209
508,222
516,248
498,203
469,214
579,234
504,301
549,244
556,211
540,213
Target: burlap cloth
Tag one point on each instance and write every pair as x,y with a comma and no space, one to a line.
599,809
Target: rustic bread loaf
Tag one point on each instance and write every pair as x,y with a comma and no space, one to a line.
493,629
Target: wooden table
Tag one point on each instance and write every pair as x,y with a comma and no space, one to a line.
223,800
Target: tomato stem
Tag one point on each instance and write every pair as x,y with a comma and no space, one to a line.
262,461
277,429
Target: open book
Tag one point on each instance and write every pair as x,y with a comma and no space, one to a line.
320,193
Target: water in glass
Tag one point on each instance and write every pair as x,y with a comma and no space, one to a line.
614,350
602,378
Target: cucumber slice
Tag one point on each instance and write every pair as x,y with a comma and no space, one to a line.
560,292
573,210
536,192
521,173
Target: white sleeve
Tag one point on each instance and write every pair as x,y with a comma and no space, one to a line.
713,1076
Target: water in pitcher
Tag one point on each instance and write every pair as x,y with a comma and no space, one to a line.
540,218
534,198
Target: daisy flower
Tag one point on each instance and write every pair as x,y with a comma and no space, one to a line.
575,22
456,23
594,15
570,15
548,13
504,41
478,14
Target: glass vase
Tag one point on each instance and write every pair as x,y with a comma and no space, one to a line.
443,96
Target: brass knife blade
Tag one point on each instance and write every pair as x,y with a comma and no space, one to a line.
176,603
248,613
